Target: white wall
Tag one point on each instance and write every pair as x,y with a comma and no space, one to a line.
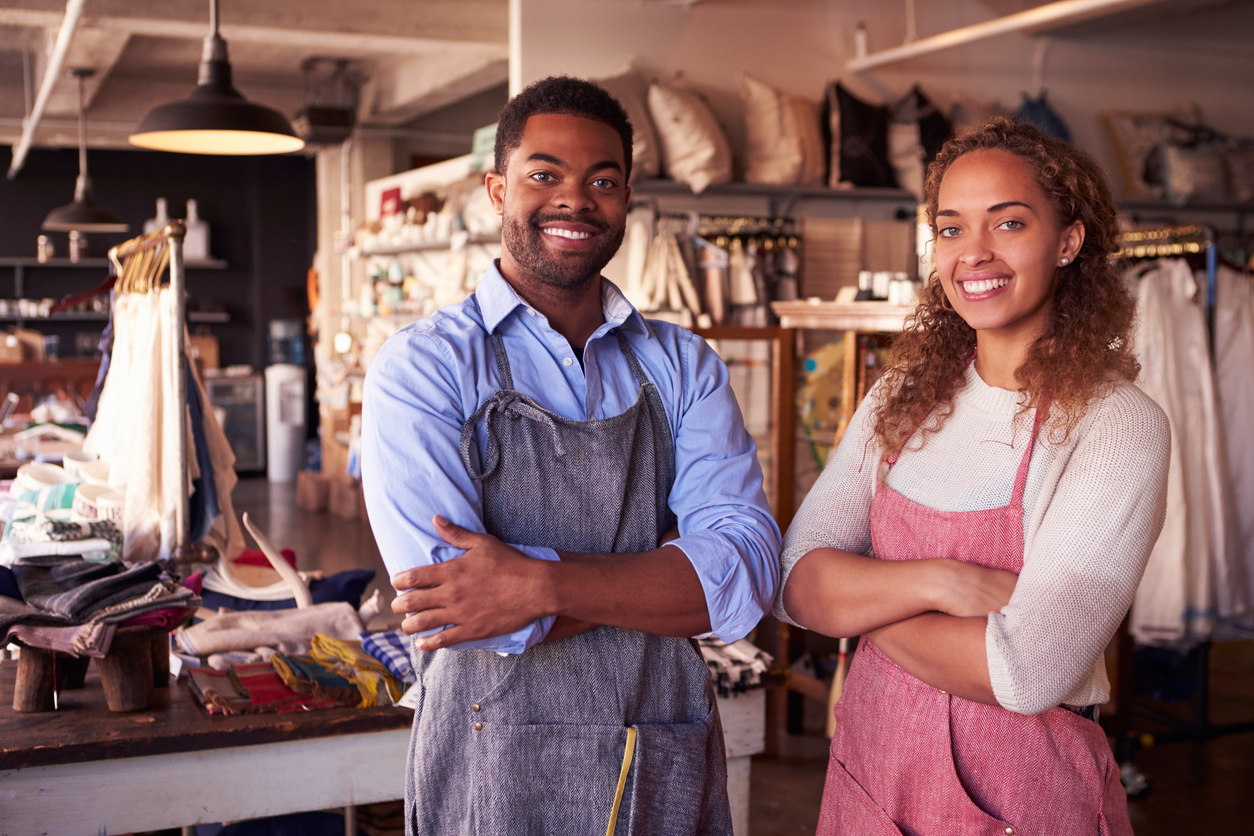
798,45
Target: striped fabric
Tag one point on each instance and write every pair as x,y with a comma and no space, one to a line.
391,647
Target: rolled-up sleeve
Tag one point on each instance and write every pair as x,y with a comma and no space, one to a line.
412,417
725,524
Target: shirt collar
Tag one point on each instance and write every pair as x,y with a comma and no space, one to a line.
498,299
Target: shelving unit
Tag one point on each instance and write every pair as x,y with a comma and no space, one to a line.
423,246
19,265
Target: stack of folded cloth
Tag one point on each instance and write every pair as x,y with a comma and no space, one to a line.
391,647
336,673
68,604
734,667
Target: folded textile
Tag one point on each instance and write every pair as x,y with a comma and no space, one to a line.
160,596
347,586
75,588
287,630
345,657
12,551
167,618
81,640
217,692
249,557
267,693
306,675
8,584
734,667
43,530
391,647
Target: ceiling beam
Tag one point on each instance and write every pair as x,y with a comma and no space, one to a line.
1060,13
73,12
328,42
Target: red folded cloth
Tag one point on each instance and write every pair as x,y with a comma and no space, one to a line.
248,557
171,618
267,693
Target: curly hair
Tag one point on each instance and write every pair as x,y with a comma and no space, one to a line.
562,95
1085,346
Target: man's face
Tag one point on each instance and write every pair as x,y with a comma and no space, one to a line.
563,200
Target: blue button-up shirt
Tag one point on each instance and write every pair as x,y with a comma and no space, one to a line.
431,376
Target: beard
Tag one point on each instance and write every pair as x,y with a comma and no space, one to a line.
558,268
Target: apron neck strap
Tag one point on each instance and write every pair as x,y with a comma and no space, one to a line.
498,349
631,358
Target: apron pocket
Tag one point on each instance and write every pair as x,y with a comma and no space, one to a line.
677,783
847,808
543,780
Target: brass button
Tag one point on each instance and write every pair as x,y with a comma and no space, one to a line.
1010,831
944,692
478,726
475,707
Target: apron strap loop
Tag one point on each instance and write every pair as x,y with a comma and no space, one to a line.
492,410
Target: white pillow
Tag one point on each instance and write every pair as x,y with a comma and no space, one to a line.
783,136
694,148
632,91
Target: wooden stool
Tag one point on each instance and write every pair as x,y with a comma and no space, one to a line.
128,671
33,689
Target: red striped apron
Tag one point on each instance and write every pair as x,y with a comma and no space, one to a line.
907,758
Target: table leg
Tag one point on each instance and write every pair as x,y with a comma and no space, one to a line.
350,820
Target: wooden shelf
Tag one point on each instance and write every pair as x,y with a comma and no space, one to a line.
71,316
868,317
644,188
96,263
425,246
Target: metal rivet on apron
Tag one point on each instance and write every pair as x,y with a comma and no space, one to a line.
1010,831
475,707
566,361
478,726
944,692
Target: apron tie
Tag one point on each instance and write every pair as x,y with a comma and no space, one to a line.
515,404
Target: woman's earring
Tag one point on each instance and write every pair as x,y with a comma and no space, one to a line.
1065,261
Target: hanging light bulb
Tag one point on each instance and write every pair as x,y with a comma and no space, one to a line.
215,118
83,215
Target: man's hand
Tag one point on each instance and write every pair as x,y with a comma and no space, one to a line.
490,590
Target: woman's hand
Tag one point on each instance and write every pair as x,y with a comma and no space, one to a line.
969,590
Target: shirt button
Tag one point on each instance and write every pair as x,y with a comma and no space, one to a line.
566,361
475,707
531,311
478,726
1010,831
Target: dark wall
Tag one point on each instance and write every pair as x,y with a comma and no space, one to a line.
262,214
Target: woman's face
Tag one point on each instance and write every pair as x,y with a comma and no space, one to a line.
999,244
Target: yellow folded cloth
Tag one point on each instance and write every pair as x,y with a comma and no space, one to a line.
376,685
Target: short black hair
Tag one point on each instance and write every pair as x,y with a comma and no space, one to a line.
565,95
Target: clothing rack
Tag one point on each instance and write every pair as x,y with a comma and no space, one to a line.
1152,243
140,263
1177,241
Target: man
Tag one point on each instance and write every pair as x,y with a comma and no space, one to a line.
567,492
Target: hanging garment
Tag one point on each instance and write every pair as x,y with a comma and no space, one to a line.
1234,370
1190,580
908,758
536,743
740,276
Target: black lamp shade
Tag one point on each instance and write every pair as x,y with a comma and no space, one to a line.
216,119
83,216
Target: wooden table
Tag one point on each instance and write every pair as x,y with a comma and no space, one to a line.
86,770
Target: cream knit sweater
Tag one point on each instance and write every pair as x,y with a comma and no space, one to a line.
1093,508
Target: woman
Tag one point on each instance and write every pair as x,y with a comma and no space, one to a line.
1011,482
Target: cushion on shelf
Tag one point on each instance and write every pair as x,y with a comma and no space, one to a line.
695,150
858,131
631,89
783,136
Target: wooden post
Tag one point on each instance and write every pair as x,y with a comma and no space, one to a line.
127,671
33,690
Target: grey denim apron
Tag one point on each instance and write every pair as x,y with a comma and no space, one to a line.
536,743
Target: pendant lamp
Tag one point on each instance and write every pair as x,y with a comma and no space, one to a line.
83,215
215,118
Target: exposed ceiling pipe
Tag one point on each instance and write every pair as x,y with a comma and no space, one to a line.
1055,14
73,11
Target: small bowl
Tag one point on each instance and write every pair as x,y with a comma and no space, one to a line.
85,501
39,475
76,460
109,506
96,473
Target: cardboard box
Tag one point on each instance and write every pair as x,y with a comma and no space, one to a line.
313,491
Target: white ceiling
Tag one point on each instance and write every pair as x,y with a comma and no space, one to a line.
417,56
